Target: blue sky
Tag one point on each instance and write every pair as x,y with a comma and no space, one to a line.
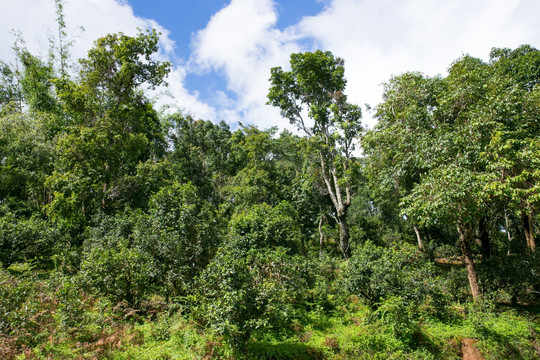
182,17
222,50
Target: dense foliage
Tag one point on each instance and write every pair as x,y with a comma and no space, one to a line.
129,233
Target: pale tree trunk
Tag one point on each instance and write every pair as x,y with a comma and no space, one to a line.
344,237
341,203
418,238
466,234
528,228
103,201
508,234
321,236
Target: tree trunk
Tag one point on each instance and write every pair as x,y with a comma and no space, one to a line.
465,238
483,235
344,236
103,201
508,234
341,206
426,233
419,238
321,236
528,228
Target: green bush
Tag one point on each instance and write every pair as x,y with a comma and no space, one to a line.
70,305
510,277
255,282
24,239
376,273
131,254
265,226
326,289
180,235
115,269
244,292
399,316
25,309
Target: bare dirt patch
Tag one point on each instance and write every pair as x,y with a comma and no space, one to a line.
469,351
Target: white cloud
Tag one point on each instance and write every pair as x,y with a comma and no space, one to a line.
178,98
242,43
378,38
36,21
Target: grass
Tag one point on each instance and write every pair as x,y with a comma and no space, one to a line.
46,318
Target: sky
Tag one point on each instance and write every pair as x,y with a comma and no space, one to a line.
222,50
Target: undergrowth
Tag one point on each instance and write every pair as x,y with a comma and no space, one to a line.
45,316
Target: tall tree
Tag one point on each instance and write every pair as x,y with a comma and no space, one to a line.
311,97
114,127
513,153
439,133
37,84
10,94
465,145
201,154
63,43
394,163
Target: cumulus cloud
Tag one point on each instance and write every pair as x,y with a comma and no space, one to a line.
176,97
87,20
242,43
35,20
377,38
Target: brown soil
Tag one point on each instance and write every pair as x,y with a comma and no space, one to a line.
469,351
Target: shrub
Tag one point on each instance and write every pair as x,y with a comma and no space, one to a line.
399,316
116,270
70,305
325,288
180,234
255,280
375,273
242,292
264,226
26,239
514,276
25,311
